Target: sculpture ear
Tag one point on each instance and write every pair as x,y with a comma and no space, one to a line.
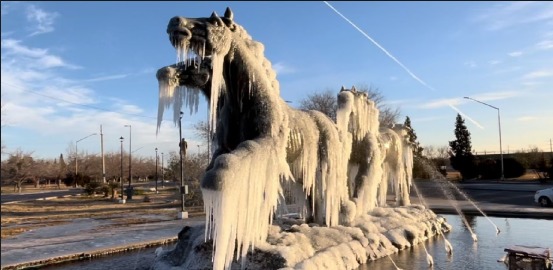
353,89
215,19
228,19
342,89
228,14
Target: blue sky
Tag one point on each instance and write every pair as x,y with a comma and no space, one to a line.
69,67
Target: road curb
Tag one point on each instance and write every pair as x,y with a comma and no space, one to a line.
494,213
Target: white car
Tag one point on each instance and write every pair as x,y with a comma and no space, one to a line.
544,197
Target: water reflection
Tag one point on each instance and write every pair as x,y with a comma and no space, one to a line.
467,254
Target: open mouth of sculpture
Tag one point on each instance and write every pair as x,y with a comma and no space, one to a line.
190,46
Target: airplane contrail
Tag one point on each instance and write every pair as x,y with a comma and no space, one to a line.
400,64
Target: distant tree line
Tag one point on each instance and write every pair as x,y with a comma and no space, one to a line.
22,168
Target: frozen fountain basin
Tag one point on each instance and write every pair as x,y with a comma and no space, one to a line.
292,245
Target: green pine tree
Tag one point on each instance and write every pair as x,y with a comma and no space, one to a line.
461,150
412,137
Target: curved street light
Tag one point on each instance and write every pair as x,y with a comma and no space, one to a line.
499,124
77,153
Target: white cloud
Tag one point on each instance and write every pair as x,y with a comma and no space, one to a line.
41,59
527,118
427,119
42,21
508,14
515,54
393,78
495,95
73,94
545,45
281,68
441,103
107,78
470,64
494,62
538,74
399,102
488,96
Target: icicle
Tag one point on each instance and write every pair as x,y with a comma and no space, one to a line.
166,99
236,224
448,247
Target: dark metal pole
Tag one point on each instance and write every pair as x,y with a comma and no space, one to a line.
121,179
156,170
130,162
181,167
499,125
500,146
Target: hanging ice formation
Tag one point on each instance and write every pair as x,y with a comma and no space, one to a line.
261,142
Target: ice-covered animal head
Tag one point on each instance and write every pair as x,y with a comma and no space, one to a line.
196,75
202,36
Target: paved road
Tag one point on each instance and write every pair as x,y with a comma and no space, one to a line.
507,199
5,198
521,194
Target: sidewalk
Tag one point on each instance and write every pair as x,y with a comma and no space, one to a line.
86,238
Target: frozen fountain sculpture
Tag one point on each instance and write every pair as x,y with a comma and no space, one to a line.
260,142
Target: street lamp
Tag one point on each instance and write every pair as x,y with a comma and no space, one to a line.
121,179
162,172
156,170
182,146
129,196
77,155
499,125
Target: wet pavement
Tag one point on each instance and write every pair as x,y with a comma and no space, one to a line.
84,238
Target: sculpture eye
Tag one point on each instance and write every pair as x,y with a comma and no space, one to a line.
232,27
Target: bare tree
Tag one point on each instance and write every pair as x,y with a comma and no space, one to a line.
18,168
201,129
326,102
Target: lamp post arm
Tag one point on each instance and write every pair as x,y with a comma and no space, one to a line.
77,152
482,103
499,125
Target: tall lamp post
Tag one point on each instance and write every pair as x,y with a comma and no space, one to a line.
77,155
162,172
121,179
182,148
130,163
499,125
156,170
